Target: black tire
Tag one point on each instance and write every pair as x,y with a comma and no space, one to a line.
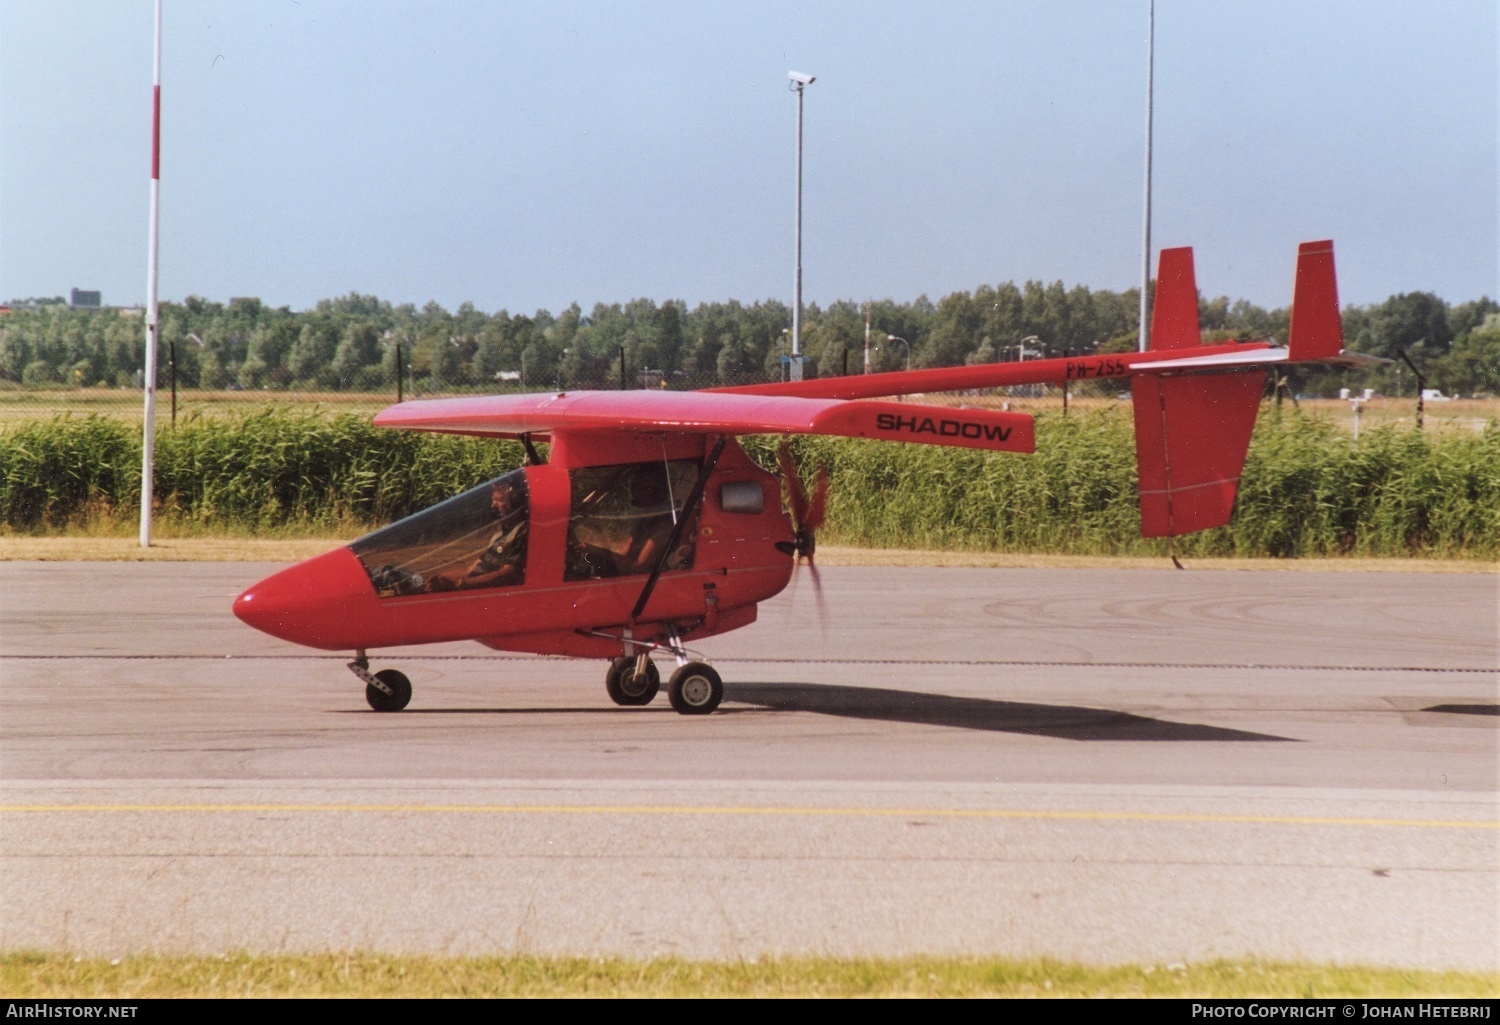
624,689
394,702
695,689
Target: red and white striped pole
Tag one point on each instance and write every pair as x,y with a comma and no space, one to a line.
148,437
1144,332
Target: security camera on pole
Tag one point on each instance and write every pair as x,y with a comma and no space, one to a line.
799,82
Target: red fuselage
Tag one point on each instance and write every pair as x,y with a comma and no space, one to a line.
727,561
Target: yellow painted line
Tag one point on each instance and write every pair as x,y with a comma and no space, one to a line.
644,809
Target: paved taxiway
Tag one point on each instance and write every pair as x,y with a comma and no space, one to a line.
1101,765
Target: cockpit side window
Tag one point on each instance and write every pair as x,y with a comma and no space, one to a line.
474,540
622,516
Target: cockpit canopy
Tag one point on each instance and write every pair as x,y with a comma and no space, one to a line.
621,518
476,539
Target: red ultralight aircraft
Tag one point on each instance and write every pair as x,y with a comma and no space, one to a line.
648,526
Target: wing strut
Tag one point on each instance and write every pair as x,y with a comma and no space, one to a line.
532,458
690,507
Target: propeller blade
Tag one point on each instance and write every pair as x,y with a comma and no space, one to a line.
817,585
817,582
808,514
796,494
817,509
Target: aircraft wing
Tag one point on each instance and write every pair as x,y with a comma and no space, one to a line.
510,416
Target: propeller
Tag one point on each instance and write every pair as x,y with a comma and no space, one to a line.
808,513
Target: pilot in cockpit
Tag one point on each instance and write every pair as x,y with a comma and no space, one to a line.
503,560
652,502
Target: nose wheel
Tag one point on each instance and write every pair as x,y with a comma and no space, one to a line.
394,696
386,691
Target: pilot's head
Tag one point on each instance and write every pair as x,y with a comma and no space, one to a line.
502,498
648,488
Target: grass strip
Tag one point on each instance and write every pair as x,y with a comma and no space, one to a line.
44,975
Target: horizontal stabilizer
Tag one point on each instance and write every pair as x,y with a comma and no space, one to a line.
1174,314
1191,436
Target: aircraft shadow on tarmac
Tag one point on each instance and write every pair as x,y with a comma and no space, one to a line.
1465,709
1066,722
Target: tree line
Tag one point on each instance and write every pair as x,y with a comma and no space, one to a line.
363,343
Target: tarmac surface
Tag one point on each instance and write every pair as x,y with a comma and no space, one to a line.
1106,766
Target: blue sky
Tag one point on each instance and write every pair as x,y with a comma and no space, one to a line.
527,155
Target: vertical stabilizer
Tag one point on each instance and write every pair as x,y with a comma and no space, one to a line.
1174,315
1316,331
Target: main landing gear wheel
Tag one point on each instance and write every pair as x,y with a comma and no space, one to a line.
626,688
695,689
400,691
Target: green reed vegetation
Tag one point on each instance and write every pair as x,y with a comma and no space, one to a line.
269,471
1308,487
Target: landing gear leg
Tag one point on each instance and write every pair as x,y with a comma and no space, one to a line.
386,691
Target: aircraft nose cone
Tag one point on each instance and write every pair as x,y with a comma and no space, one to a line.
263,607
248,606
325,602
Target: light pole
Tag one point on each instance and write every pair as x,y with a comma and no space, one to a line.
1027,390
153,310
1144,329
867,338
903,341
799,82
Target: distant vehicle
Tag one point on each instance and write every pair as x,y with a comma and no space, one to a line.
1435,395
